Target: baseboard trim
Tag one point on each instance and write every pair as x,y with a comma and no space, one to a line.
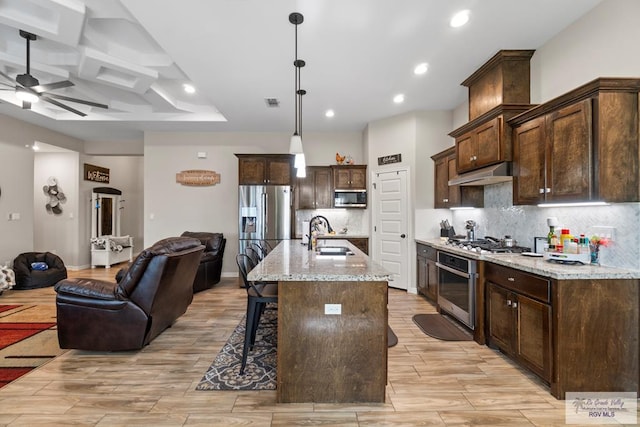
230,274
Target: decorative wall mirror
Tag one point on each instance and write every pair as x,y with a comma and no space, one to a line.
105,211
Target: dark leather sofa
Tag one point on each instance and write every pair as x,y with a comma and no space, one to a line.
210,267
154,291
27,278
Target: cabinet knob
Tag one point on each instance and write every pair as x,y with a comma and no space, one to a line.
541,190
514,304
403,235
511,279
508,303
548,190
445,200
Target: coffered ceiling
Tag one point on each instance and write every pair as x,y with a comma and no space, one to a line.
136,55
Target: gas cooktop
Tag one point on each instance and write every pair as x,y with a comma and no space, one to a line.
487,245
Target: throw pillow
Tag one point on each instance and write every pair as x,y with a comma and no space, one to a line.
39,266
120,241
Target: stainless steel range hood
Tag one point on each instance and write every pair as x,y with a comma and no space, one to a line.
493,174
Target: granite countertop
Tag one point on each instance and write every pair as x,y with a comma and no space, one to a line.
343,236
540,266
292,261
340,236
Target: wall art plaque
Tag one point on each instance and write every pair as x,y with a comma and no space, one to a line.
96,173
198,177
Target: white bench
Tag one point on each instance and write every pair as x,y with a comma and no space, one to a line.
110,250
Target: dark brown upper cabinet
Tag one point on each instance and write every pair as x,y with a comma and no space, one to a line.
315,191
450,196
265,169
349,177
498,91
581,146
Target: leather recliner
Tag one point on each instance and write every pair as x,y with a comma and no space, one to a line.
27,278
154,291
210,267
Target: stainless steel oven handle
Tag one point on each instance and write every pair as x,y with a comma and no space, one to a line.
454,271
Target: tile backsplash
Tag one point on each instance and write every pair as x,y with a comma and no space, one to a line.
499,218
355,220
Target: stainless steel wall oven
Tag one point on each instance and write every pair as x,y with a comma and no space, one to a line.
456,287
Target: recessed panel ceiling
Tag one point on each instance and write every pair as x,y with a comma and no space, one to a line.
100,47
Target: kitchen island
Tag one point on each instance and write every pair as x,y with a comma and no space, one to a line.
332,324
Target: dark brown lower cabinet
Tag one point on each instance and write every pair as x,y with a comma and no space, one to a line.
520,327
578,335
427,274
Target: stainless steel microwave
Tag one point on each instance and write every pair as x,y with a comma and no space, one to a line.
350,199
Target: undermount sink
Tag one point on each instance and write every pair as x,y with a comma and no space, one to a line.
333,251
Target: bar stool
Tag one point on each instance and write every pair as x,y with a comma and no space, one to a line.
258,296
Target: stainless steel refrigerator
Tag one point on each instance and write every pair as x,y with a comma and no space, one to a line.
264,214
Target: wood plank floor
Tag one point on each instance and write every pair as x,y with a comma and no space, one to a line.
431,382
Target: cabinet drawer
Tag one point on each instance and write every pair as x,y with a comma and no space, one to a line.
426,251
518,281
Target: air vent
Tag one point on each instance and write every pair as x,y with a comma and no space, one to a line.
272,102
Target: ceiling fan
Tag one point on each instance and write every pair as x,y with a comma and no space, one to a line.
29,90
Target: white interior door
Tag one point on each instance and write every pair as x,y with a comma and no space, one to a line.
391,226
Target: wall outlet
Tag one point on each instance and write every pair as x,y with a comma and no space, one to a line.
333,309
604,231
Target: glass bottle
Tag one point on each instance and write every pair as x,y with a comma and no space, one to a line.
552,239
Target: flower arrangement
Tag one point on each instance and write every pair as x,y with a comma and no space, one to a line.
594,245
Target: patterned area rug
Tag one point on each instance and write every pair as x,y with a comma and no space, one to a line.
28,338
260,371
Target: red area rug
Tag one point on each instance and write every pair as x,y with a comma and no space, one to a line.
26,342
11,333
9,374
7,307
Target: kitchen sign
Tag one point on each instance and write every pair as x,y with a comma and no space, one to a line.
96,173
393,158
198,178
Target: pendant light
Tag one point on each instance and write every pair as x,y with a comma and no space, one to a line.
295,146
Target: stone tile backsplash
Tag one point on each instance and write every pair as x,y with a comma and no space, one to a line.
355,220
499,218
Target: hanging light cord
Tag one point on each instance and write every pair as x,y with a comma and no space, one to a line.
296,19
296,81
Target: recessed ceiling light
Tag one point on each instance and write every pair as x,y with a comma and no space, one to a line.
35,147
399,98
189,88
329,113
421,68
459,19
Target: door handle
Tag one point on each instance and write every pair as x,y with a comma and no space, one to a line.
403,235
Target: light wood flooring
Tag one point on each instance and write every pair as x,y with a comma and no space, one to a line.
430,382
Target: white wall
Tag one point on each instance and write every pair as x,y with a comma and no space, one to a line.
17,181
603,43
176,208
417,136
432,137
432,128
16,186
114,148
57,233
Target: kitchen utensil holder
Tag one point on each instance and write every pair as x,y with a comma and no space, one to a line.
447,232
